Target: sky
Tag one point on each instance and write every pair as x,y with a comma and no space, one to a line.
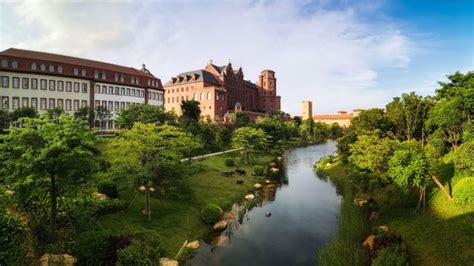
341,55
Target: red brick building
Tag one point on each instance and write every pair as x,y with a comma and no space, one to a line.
219,89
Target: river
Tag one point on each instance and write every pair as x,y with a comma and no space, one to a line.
296,216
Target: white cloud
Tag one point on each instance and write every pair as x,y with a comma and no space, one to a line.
330,56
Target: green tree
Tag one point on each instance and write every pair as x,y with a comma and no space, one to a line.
336,131
145,114
371,153
252,140
59,150
101,115
151,150
410,168
23,112
241,120
54,113
190,110
85,113
224,137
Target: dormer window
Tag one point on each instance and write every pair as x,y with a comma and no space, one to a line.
43,67
103,75
33,66
121,78
96,74
4,63
60,69
83,72
76,71
14,64
116,77
51,68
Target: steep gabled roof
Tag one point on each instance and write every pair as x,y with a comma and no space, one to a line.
57,58
199,75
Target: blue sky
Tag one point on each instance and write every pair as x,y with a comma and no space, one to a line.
341,55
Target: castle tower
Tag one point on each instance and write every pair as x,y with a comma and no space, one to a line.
306,110
269,101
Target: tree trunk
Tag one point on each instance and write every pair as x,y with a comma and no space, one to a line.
54,205
436,180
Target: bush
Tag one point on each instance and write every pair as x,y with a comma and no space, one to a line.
11,234
89,247
395,255
229,162
109,188
258,170
211,213
464,156
139,252
463,191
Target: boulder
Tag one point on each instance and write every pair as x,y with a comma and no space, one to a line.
52,260
369,242
360,202
218,240
221,225
257,186
193,245
99,196
168,262
228,215
374,216
274,170
384,228
249,196
279,158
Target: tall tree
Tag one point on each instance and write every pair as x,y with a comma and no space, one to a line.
224,137
252,140
60,150
190,110
151,150
23,112
145,114
101,115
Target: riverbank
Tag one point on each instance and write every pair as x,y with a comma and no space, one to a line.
441,235
178,219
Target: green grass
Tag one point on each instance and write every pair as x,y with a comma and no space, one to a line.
345,249
441,235
175,220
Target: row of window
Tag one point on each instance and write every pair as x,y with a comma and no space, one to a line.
113,106
44,103
52,85
197,97
78,72
157,96
180,89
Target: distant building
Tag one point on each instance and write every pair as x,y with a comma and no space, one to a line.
45,81
306,110
342,118
220,90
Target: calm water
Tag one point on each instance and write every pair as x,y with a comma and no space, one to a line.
303,219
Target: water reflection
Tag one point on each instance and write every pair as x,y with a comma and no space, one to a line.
285,224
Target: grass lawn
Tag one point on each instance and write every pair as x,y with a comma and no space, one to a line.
442,235
175,220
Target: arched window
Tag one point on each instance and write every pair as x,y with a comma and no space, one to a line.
60,69
209,96
194,96
51,68
33,66
43,67
14,64
200,96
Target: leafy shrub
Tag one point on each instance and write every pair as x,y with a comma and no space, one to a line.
258,170
89,247
211,213
464,156
139,252
395,255
11,234
229,162
325,160
463,191
109,188
112,245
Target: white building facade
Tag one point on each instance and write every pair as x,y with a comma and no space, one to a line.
45,81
